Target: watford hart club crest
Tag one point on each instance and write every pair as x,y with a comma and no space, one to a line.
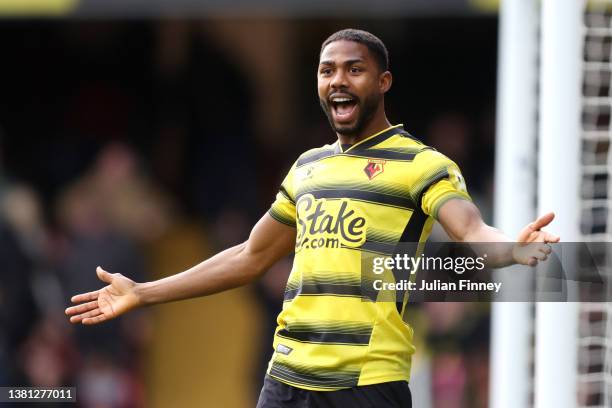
374,168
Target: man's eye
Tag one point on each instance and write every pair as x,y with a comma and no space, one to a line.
326,71
355,69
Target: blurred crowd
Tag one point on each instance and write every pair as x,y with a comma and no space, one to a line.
106,216
151,137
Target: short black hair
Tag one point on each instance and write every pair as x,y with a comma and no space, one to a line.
374,44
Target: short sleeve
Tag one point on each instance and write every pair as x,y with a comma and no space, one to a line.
283,207
436,180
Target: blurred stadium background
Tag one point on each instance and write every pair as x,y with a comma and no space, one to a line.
146,136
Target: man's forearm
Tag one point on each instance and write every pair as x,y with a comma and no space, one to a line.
463,223
226,270
497,246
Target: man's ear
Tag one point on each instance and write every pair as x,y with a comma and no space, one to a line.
386,79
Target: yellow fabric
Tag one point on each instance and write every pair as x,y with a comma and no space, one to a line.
348,206
433,164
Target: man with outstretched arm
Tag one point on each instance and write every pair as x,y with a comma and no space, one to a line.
375,187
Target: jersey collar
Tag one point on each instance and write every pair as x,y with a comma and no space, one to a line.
371,140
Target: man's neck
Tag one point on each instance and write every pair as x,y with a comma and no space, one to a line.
374,127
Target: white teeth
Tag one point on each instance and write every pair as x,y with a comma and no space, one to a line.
339,100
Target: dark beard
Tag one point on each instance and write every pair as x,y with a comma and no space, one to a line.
366,113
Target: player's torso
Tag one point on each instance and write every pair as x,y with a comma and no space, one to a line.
354,201
347,204
347,207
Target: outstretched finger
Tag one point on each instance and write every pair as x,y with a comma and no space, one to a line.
82,316
542,221
95,320
85,297
85,307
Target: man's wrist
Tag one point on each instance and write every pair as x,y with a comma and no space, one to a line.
513,255
143,294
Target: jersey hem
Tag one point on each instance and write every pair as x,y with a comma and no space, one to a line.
370,381
383,379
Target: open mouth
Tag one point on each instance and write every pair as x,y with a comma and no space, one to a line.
344,107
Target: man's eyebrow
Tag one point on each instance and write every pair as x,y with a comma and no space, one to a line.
354,61
348,62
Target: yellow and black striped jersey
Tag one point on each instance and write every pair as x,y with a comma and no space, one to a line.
367,198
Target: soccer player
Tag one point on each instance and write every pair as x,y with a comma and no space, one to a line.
374,187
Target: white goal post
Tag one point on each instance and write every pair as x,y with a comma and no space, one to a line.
556,328
515,192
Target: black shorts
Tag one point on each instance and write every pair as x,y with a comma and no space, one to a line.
276,394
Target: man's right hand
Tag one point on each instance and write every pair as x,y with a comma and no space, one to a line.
107,303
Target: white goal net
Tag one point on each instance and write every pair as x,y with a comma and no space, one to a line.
595,319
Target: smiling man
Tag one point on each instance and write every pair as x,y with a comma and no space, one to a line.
373,188
353,103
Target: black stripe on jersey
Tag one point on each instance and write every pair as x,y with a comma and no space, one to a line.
328,284
314,156
437,177
412,233
280,218
325,277
326,337
323,289
414,227
384,236
376,139
385,154
319,378
319,154
383,187
285,193
379,247
409,136
378,198
331,326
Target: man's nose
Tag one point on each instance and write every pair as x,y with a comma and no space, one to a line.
339,80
